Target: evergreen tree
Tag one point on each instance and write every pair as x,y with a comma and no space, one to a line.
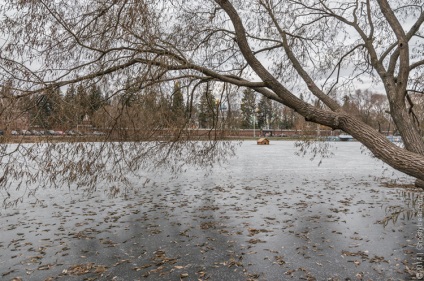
48,110
178,107
265,112
70,107
95,99
130,95
81,102
247,108
207,109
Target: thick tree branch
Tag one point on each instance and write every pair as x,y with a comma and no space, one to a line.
402,46
285,95
333,105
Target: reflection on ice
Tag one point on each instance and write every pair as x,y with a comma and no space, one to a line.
266,215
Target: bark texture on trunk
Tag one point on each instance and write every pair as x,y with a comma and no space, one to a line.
409,162
401,159
419,183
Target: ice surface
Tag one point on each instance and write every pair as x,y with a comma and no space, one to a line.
267,214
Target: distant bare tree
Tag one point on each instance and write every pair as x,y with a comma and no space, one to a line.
280,49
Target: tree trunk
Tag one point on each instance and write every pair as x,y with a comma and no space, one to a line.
409,131
408,162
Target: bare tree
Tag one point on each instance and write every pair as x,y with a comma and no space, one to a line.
280,49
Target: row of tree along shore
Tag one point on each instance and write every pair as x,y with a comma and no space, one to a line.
88,108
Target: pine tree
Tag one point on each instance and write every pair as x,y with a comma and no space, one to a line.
95,99
247,108
207,109
81,102
49,112
265,112
70,107
178,107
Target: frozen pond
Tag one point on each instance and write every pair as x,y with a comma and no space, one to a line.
266,215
